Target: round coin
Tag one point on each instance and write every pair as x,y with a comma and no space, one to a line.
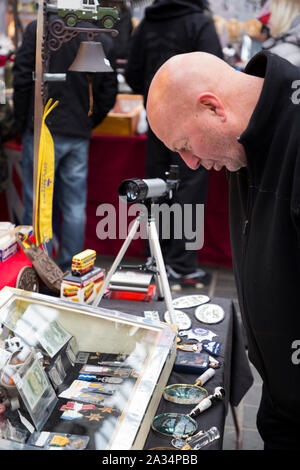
189,301
78,444
209,313
181,320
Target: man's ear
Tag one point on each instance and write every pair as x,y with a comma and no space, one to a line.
210,102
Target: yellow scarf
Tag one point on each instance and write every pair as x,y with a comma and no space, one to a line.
45,181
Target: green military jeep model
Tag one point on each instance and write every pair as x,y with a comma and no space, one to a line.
76,10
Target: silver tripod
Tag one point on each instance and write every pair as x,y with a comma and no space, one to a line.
155,250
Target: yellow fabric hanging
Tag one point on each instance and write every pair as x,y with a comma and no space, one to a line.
45,181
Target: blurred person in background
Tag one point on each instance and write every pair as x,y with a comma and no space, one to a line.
171,27
121,42
70,126
284,30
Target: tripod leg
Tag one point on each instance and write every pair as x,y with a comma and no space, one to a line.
156,275
117,261
155,248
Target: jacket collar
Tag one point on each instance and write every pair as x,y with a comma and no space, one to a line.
273,103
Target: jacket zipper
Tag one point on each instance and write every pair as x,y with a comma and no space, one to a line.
245,234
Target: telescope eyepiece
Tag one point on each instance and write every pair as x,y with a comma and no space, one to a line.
138,190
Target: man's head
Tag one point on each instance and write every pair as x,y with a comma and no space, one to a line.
198,106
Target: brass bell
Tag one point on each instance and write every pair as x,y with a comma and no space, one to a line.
91,59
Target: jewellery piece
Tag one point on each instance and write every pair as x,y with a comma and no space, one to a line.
111,380
74,405
59,441
212,347
189,301
105,371
209,313
188,347
107,409
94,417
97,391
199,334
78,444
184,394
182,320
213,362
94,378
111,363
89,398
174,425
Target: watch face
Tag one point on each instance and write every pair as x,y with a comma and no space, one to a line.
180,319
189,301
209,313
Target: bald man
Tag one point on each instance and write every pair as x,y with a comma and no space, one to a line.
249,122
168,28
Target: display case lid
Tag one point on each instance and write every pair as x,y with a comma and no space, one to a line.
147,345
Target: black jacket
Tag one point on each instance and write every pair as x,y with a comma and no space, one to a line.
70,117
265,231
168,28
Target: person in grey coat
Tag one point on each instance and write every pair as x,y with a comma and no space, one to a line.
285,30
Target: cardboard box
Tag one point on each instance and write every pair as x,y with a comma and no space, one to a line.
82,289
8,242
123,118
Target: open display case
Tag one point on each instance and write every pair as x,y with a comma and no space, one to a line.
130,358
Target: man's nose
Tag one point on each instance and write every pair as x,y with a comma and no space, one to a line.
189,158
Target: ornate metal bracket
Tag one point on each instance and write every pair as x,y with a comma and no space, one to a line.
59,33
55,34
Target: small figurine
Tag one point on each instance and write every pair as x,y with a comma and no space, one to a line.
83,262
77,10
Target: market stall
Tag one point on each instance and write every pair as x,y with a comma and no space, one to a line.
126,160
127,156
118,375
104,373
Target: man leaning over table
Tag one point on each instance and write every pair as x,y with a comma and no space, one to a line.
216,116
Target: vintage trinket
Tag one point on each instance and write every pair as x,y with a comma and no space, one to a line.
184,394
174,425
199,334
181,319
209,313
189,301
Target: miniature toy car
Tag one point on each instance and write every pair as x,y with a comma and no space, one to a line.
75,10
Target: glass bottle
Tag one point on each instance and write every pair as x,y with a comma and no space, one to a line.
201,440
